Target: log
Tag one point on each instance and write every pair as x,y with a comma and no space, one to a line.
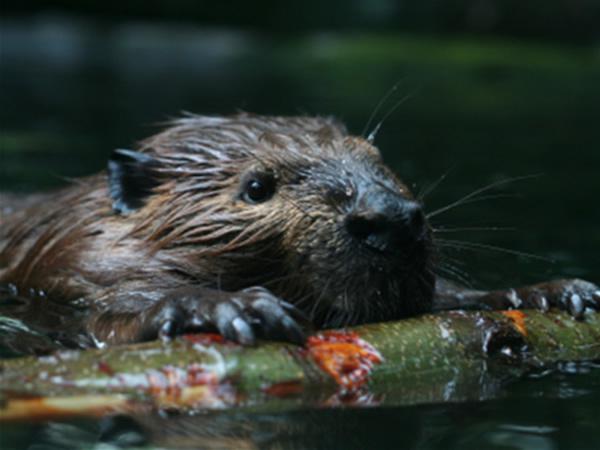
451,356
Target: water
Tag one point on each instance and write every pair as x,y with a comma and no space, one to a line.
72,90
557,411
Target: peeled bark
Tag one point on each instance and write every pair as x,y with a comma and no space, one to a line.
450,356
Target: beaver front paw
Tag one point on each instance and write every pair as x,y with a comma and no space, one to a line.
574,296
239,316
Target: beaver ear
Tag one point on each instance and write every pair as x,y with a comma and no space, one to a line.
131,177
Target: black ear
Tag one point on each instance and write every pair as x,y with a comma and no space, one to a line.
131,178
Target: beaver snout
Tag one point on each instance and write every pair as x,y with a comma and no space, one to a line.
387,222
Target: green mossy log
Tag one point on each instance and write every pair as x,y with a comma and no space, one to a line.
450,356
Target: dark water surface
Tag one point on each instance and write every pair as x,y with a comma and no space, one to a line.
556,411
484,111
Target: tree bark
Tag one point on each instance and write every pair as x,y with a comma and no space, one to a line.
452,356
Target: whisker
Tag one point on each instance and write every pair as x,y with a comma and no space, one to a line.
481,198
460,229
300,304
319,299
477,246
380,103
448,261
373,134
454,272
471,197
429,189
349,311
477,199
426,281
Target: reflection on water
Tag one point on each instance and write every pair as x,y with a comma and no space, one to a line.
528,415
72,90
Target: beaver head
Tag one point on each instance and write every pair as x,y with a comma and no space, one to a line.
294,204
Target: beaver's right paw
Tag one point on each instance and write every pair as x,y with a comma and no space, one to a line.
240,316
572,295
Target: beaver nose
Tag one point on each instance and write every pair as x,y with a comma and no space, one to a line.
387,225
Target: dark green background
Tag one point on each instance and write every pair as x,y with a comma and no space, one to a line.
496,89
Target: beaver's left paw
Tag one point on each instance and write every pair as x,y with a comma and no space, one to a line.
574,296
239,316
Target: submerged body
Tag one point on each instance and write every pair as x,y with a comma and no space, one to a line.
247,225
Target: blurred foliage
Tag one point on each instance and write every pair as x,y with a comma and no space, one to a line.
566,20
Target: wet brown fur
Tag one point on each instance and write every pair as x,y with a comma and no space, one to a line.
196,229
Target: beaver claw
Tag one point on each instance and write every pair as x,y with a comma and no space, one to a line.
240,316
574,296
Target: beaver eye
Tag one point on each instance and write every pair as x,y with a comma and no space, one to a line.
259,188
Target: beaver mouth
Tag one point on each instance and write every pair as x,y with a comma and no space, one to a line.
397,255
404,254
377,285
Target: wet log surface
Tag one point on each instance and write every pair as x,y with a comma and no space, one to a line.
454,356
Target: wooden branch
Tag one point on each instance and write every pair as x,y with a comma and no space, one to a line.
448,356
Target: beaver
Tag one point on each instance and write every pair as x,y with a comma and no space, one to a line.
250,226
